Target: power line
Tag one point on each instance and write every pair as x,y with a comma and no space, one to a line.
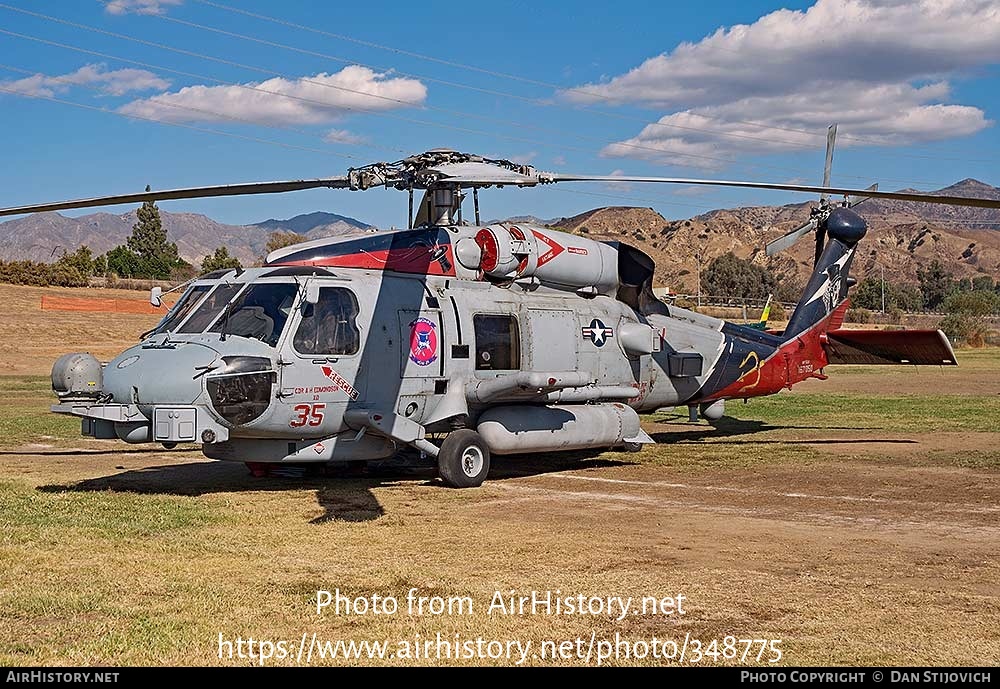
659,201
396,100
535,101
536,82
205,130
335,58
273,73
458,113
255,88
259,89
225,116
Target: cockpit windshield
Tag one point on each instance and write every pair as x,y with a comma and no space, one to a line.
256,310
211,308
259,312
182,308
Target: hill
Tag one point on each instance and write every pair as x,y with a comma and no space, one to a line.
903,235
316,225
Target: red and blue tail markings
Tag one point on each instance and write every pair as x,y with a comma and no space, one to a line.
797,359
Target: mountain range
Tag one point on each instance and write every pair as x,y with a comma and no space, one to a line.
903,235
45,236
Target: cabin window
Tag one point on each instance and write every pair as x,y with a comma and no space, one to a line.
498,343
182,308
330,325
259,313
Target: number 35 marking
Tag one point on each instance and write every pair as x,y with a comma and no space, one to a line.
307,415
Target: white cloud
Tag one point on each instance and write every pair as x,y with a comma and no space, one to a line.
342,136
307,100
618,186
114,83
878,67
700,191
139,6
889,115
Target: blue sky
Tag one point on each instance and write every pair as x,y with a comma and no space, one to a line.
710,89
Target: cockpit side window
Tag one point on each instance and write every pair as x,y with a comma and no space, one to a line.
260,312
182,308
330,326
210,308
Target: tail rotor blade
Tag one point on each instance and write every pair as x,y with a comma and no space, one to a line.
820,240
831,141
852,201
787,240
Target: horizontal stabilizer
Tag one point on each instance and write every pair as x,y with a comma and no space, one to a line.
920,347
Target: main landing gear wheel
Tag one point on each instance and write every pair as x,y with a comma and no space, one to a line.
464,459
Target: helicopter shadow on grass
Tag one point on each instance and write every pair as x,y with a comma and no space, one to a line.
345,495
718,433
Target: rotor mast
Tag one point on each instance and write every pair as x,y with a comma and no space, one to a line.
445,201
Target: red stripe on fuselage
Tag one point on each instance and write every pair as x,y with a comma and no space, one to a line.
796,360
409,260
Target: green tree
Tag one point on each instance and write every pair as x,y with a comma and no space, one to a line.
157,257
65,275
100,266
935,283
982,282
978,304
729,276
868,295
908,298
81,260
281,239
123,263
219,260
968,314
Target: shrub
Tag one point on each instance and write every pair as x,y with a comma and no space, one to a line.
858,316
965,329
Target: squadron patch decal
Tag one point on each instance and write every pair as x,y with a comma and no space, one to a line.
423,342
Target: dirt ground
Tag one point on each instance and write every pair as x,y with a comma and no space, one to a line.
851,544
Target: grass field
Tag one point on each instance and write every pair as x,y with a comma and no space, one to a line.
857,520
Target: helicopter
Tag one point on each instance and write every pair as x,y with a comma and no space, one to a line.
460,341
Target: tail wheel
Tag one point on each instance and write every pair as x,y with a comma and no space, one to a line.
464,459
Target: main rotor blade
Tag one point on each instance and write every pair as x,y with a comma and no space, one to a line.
839,191
831,141
186,193
786,240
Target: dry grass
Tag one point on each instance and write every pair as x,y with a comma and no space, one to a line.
857,537
33,338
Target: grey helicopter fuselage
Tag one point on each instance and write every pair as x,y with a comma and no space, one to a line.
460,341
350,349
425,351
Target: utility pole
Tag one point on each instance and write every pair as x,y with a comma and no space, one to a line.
882,266
697,258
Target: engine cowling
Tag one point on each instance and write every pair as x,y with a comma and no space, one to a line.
514,252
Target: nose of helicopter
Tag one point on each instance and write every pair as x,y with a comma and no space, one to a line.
168,373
